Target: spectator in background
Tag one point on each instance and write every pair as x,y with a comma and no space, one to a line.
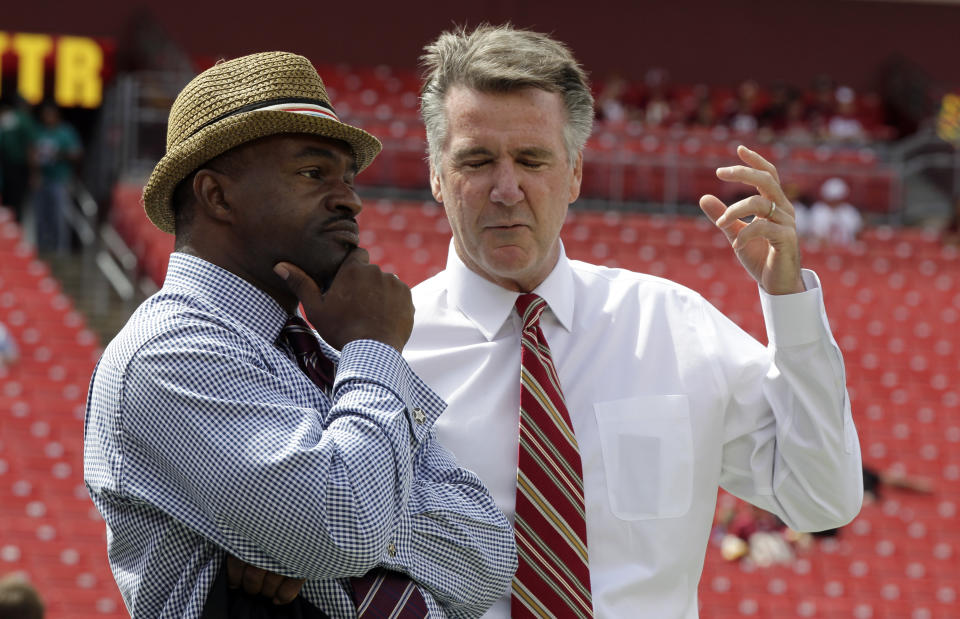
757,535
9,352
614,101
773,118
56,149
16,135
833,220
741,115
797,131
656,106
822,106
703,115
19,599
844,126
874,480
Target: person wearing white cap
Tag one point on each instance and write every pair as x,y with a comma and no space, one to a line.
833,220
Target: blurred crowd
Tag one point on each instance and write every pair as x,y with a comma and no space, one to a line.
39,151
744,532
826,112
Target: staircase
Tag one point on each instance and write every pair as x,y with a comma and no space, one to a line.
91,293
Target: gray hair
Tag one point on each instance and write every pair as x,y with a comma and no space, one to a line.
503,59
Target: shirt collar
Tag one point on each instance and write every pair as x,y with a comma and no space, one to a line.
488,305
240,300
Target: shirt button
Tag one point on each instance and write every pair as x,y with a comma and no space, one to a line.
392,549
419,416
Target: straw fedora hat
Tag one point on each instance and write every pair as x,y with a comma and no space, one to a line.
238,101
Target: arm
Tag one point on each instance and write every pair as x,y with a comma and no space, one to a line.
790,445
227,449
451,538
461,545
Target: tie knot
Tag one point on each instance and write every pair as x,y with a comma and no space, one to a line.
530,306
299,334
309,356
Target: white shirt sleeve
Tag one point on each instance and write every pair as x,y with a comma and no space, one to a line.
790,445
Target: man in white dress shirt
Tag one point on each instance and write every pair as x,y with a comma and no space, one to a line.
668,399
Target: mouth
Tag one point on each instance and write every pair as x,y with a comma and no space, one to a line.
345,230
506,226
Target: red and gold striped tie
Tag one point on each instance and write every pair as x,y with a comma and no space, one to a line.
553,578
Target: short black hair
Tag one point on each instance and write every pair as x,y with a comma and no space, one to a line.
182,200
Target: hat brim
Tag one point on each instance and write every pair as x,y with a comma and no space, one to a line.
231,132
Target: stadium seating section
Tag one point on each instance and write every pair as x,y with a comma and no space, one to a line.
894,302
48,526
623,161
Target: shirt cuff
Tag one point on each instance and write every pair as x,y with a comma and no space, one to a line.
796,319
373,361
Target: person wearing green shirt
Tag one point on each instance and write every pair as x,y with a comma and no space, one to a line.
56,148
16,135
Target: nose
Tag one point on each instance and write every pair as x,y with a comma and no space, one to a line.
506,187
346,201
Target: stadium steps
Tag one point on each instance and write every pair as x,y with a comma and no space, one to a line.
92,295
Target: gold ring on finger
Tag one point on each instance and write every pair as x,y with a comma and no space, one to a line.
773,209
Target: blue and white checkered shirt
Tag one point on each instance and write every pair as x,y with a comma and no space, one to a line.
203,437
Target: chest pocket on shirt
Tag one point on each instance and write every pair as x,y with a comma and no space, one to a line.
647,451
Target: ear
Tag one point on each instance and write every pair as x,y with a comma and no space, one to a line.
210,193
435,184
576,178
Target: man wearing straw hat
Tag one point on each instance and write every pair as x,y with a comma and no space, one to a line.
218,423
603,408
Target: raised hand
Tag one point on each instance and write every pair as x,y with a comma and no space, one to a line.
362,302
767,246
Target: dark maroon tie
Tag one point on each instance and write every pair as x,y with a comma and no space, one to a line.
380,593
309,356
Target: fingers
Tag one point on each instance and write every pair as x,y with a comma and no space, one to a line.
715,209
288,591
253,579
760,229
299,283
358,254
755,160
777,245
256,581
234,571
758,173
758,206
271,583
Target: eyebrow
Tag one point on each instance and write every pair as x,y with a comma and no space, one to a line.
317,151
536,152
473,151
529,151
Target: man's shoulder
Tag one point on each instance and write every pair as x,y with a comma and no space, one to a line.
431,293
167,319
431,286
619,281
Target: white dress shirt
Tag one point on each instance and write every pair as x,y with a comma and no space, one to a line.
669,399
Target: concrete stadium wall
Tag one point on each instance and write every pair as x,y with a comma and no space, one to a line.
716,42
